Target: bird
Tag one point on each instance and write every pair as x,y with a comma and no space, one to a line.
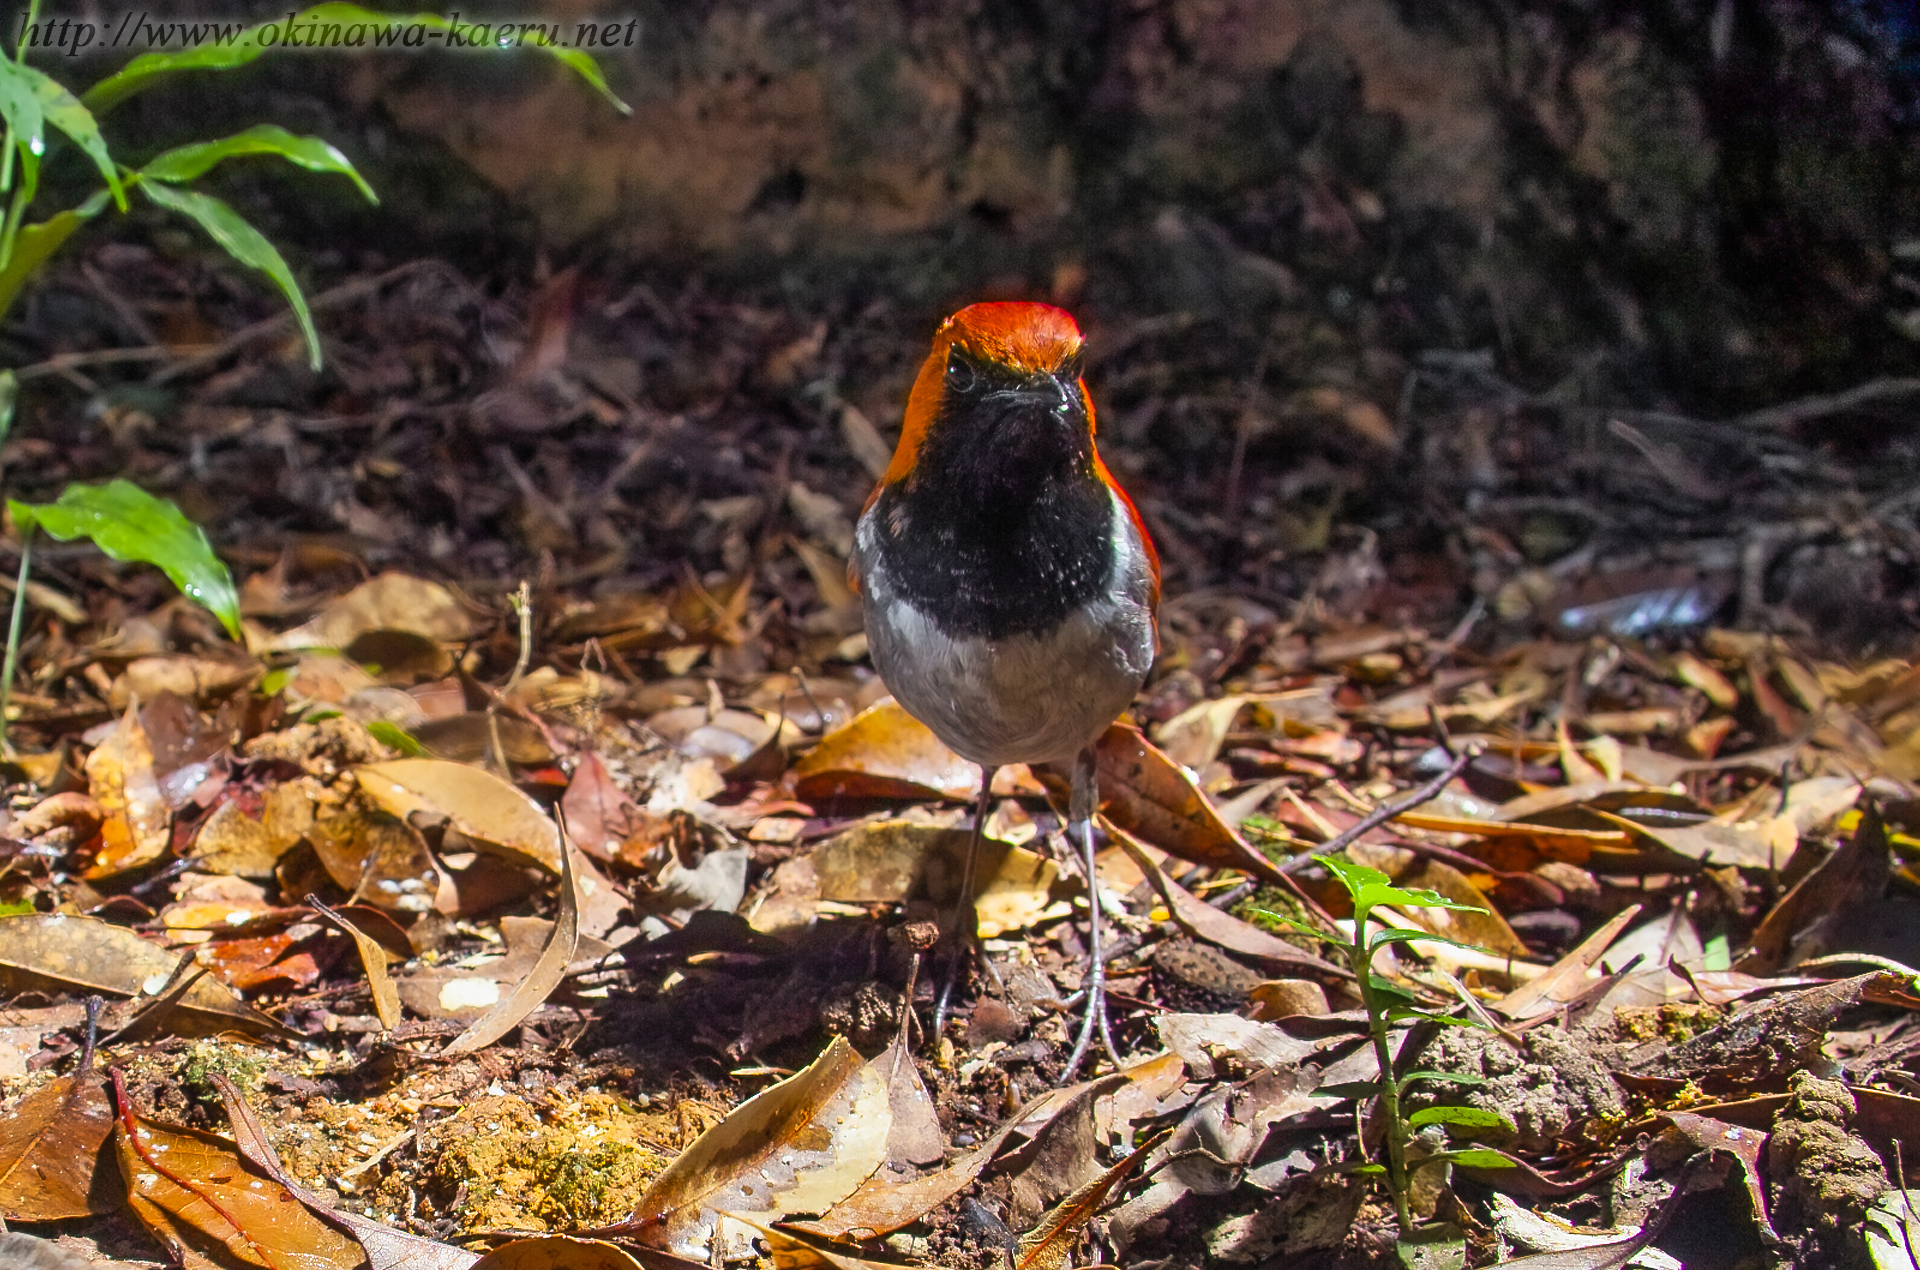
1010,589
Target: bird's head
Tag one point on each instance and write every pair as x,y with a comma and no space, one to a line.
999,407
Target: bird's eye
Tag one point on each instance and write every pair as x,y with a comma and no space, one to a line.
960,373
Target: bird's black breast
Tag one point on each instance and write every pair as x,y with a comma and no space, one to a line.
997,570
1004,525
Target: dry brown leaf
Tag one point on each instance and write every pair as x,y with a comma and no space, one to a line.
1152,797
1206,922
1208,1042
378,857
1566,980
199,679
400,658
198,1197
392,601
477,803
386,998
787,1251
915,1136
483,736
1193,737
1569,846
531,992
880,1207
1046,1246
798,1147
386,1248
139,822
1857,871
233,842
1712,843
890,861
738,741
557,1252
53,1152
21,1251
1061,1156
598,814
88,955
884,753
66,820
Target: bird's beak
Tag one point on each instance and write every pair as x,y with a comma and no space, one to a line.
1053,395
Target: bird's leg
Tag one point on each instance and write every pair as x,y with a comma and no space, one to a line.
963,913
1080,808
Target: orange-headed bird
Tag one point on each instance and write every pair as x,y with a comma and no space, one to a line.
1009,585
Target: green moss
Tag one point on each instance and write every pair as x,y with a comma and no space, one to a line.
596,1185
240,1064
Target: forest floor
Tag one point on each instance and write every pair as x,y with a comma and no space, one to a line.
576,552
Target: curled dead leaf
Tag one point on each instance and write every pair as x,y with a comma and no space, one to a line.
138,819
392,601
477,803
884,753
798,1147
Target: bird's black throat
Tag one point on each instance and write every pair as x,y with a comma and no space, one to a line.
1005,526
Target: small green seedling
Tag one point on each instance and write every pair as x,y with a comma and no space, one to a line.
32,101
1387,1004
127,523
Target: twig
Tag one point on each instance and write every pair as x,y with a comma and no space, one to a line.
522,602
1792,412
1382,814
64,362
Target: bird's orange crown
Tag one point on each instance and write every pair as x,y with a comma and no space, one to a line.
1036,338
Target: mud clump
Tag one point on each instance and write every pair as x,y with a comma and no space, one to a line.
1547,1087
1822,1178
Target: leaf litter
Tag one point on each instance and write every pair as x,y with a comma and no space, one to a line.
692,1028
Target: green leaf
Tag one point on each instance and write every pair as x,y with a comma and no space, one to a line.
1387,988
1296,924
1353,876
1457,1078
396,737
9,394
1396,936
1347,1089
20,107
373,31
1449,1020
128,523
1369,1168
37,242
1461,1117
187,162
1478,1159
275,681
64,111
1373,895
245,244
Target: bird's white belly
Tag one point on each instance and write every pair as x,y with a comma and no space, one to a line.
1027,699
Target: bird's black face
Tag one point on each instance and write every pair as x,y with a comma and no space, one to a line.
1002,435
1004,525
